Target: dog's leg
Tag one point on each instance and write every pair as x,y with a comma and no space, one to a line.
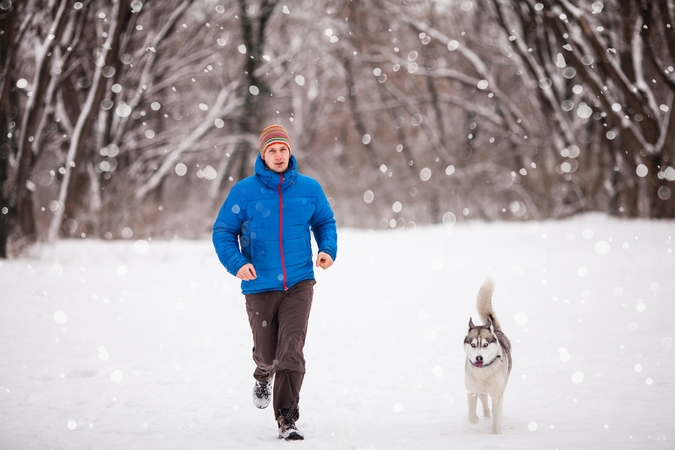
497,404
473,400
486,407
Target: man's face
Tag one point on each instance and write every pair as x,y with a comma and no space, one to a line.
277,156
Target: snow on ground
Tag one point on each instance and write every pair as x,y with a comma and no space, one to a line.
145,345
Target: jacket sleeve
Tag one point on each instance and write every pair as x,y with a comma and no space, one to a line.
323,225
226,232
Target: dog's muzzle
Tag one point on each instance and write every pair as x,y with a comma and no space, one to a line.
479,361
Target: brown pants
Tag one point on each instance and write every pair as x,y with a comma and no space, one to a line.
279,321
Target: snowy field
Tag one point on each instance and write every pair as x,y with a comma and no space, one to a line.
146,345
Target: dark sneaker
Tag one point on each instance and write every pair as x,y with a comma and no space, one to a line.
288,430
262,394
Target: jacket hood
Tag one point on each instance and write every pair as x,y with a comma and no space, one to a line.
271,178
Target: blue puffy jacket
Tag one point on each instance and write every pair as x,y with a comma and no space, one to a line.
253,228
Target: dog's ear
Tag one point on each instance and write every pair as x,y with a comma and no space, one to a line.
490,325
471,325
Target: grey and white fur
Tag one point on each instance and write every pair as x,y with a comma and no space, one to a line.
488,360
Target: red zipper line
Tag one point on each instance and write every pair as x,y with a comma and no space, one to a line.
281,226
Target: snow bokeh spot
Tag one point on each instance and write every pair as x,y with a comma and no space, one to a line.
632,327
532,426
667,342
122,270
123,110
72,425
563,354
602,247
425,174
60,317
584,111
397,207
141,246
181,169
430,335
577,377
521,318
56,270
449,219
116,376
398,408
582,271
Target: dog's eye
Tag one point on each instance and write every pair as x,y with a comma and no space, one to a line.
473,345
485,345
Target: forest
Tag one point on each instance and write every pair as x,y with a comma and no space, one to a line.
129,118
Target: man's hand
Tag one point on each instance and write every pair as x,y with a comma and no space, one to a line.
247,272
324,260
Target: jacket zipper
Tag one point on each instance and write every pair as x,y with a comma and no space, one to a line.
281,234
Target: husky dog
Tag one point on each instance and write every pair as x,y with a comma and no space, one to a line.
488,360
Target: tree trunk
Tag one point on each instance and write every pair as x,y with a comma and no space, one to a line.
78,143
7,113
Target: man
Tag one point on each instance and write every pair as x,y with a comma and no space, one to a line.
262,236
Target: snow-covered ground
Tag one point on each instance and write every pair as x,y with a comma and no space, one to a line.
145,345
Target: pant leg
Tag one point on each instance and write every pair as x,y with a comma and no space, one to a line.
262,316
293,315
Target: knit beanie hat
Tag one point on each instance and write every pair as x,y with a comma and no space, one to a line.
273,134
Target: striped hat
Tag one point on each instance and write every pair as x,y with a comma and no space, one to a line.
273,134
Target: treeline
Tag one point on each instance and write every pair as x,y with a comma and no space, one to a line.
124,118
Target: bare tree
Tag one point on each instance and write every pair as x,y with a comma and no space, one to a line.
601,48
129,117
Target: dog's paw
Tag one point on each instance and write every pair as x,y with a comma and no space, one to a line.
473,419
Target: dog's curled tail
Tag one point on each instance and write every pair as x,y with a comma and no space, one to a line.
484,304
